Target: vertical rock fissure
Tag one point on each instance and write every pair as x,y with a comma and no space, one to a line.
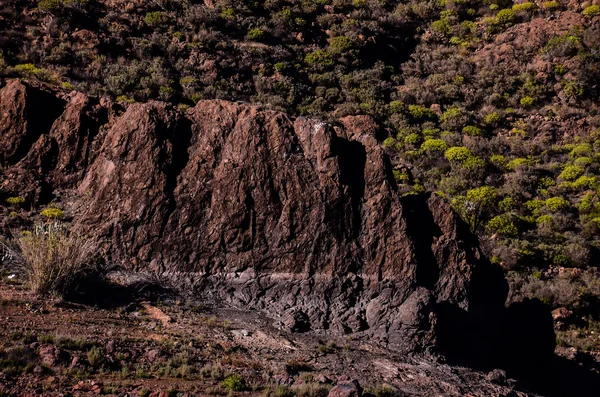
352,157
181,140
422,229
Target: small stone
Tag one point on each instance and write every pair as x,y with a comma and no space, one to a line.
153,355
561,314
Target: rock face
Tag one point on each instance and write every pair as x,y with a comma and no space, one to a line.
297,218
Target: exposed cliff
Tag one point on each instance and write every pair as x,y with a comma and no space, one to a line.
297,218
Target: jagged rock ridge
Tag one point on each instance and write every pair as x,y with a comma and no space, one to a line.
298,218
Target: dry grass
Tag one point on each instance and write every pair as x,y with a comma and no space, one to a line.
53,258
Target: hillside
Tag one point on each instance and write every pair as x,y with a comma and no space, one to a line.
303,137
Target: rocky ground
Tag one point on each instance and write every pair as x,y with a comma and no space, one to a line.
174,346
162,344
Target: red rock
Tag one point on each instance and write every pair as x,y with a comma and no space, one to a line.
51,355
561,314
261,211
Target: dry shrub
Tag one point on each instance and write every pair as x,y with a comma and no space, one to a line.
53,259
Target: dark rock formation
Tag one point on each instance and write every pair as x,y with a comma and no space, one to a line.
298,218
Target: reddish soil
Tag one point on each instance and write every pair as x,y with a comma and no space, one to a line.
175,346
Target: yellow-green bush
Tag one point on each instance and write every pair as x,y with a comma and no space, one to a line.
433,146
503,225
591,11
52,213
556,204
571,172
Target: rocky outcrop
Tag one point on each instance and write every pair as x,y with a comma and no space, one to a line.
298,218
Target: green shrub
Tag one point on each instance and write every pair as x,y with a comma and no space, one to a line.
234,383
583,149
545,182
550,5
471,130
156,18
506,204
389,142
505,17
15,201
586,182
526,101
125,98
396,107
492,118
340,44
587,202
562,45
228,13
499,161
528,6
52,213
583,162
52,6
441,26
519,162
453,118
535,205
591,11
421,113
503,225
475,204
434,146
413,139
30,70
458,154
430,133
166,92
571,172
255,33
560,69
95,357
319,58
572,89
556,204
400,176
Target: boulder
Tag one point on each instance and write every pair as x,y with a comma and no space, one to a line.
295,217
346,388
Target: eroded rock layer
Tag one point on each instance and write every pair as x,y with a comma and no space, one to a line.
298,218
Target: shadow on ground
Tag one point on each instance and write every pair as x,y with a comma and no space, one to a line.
99,291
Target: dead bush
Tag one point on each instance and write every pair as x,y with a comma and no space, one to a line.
53,259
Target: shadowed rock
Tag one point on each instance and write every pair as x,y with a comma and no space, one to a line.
297,218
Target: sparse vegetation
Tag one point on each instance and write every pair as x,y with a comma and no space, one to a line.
234,383
54,259
491,132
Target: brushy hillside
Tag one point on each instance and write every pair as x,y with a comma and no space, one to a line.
493,104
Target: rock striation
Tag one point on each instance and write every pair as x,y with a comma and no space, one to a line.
295,217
